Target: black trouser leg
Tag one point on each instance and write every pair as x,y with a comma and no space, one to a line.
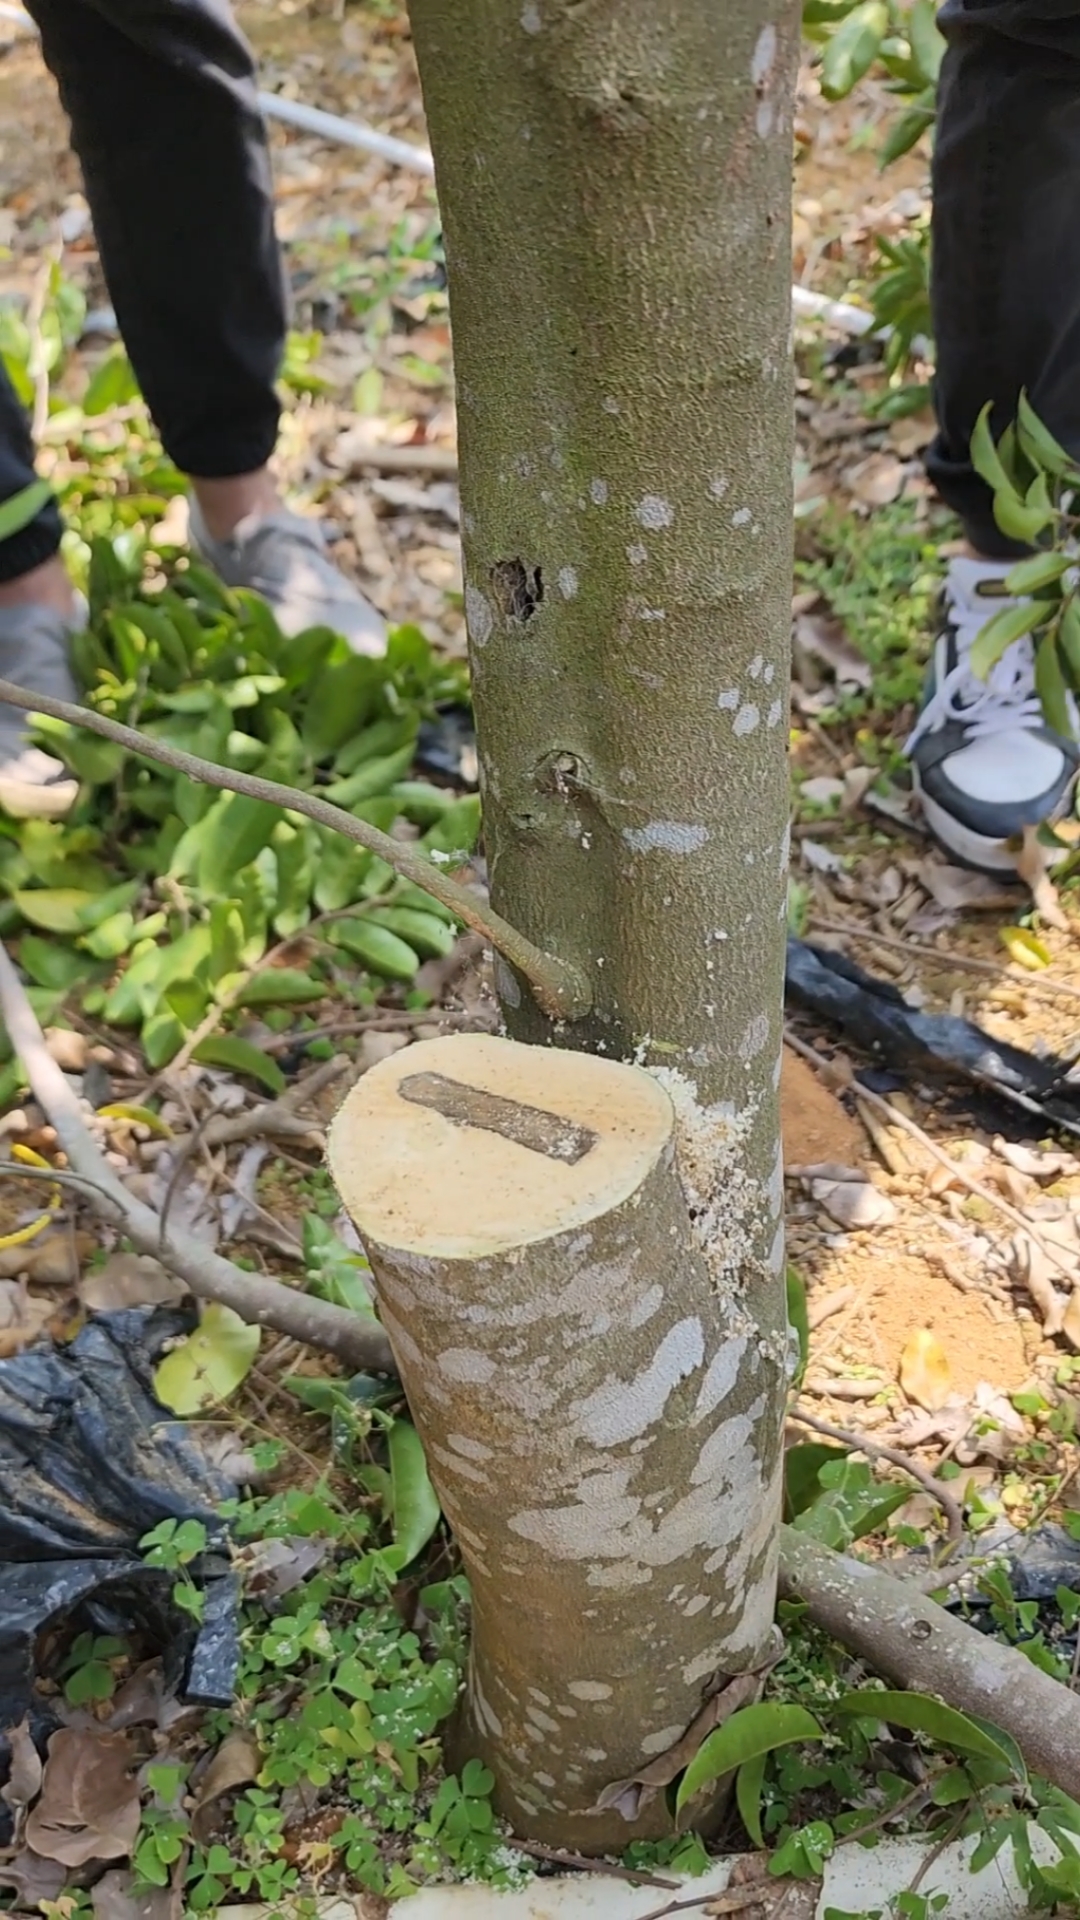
37,542
162,100
1006,235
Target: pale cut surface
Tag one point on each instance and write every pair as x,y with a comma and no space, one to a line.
465,1146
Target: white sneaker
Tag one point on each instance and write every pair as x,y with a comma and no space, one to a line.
984,763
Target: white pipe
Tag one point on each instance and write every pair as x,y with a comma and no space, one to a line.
838,313
348,133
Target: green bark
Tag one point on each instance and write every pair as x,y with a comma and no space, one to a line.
614,178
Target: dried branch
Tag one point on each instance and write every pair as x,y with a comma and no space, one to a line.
914,1643
209,1276
873,1449
560,990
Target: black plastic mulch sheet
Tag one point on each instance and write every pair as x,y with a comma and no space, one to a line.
875,1016
89,1462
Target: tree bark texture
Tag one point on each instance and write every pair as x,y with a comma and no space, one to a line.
614,179
591,1425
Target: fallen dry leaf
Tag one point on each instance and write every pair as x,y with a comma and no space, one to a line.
957,889
89,1805
1038,1272
628,1797
821,859
34,1879
854,1203
820,637
924,1371
821,790
113,1898
235,1764
24,1775
1040,1162
129,1280
1033,864
1070,1324
878,480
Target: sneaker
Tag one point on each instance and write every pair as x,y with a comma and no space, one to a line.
283,556
984,763
34,653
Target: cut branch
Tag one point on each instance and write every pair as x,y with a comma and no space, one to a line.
209,1276
561,991
915,1643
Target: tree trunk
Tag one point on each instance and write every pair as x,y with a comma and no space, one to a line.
614,178
565,1357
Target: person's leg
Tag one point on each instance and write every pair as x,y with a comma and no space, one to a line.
1005,281
165,120
1006,300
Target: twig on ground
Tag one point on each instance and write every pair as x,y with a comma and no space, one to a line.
581,1862
873,1449
411,459
560,990
938,1848
213,1016
914,1643
277,1117
894,1118
208,1275
1037,983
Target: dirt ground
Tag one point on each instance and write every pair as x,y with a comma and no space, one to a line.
940,1261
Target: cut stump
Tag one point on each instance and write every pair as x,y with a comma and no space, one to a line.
599,1420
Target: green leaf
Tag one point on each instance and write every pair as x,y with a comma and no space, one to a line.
1069,641
986,458
1022,521
49,965
373,778
17,511
798,1320
416,1506
906,131
1041,570
852,49
1050,686
430,936
281,987
55,909
752,1731
235,830
239,1056
748,1784
341,700
162,1038
802,1466
377,948
927,39
459,829
921,1713
113,384
1010,624
1038,442
209,1365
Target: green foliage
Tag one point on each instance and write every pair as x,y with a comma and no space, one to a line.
881,579
89,1676
903,42
367,1695
172,891
1034,481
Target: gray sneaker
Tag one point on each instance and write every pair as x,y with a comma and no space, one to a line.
283,556
34,654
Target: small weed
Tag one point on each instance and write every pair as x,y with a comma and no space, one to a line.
880,577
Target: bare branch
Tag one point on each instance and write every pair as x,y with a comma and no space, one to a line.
560,991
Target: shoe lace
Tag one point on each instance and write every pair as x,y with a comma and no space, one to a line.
1004,701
